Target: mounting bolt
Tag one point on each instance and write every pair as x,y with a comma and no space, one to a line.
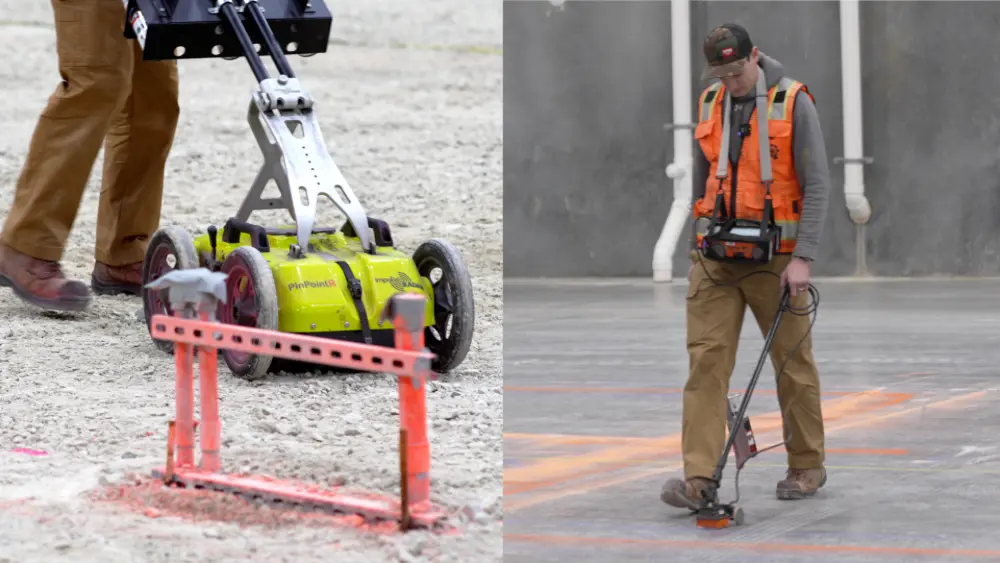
282,79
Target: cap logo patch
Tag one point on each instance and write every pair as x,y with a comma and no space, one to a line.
727,51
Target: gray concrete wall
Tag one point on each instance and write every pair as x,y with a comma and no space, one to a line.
588,89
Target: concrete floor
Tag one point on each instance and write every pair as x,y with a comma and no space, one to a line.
592,411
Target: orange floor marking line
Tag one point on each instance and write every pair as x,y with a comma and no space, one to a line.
772,547
944,403
575,440
577,488
861,451
662,390
554,470
568,440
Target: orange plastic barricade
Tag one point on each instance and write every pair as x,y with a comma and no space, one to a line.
409,360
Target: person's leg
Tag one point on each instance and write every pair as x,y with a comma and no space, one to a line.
714,319
798,383
94,65
135,155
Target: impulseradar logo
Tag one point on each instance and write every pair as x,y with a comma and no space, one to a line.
400,282
311,284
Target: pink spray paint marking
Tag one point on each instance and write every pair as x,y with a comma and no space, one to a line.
28,451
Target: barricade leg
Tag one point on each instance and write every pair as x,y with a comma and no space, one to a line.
168,471
208,381
404,496
184,390
408,322
413,417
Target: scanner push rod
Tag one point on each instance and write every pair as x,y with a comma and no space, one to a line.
228,12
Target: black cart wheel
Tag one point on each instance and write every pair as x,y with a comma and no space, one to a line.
251,301
169,249
450,337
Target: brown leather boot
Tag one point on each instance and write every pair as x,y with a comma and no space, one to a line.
116,280
41,282
801,483
684,493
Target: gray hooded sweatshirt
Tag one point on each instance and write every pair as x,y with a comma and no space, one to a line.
809,152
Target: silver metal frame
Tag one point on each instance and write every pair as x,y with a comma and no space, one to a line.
282,119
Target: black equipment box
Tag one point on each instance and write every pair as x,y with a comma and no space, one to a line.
193,29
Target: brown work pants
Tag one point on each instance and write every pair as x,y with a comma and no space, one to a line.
108,94
714,319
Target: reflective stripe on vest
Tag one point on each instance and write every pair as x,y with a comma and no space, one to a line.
777,107
708,100
789,230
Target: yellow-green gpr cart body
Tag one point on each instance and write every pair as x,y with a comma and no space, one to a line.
314,294
332,289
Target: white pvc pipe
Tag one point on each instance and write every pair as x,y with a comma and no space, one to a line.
680,169
850,57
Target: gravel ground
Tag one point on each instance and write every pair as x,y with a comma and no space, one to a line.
410,101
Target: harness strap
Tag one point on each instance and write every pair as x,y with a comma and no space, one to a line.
761,101
354,285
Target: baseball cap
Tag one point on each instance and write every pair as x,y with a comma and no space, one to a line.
727,49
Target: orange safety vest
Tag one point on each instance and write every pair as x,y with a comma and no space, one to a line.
786,192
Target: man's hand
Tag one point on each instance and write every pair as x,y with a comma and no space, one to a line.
796,276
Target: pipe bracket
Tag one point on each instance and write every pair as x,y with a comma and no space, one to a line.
860,160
